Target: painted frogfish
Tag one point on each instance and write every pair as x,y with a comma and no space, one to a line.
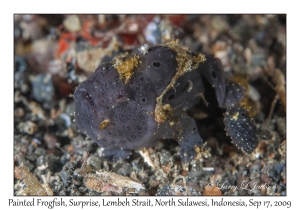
140,98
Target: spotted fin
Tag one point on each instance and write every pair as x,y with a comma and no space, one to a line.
241,128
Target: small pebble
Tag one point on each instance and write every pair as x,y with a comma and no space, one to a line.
274,175
42,88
